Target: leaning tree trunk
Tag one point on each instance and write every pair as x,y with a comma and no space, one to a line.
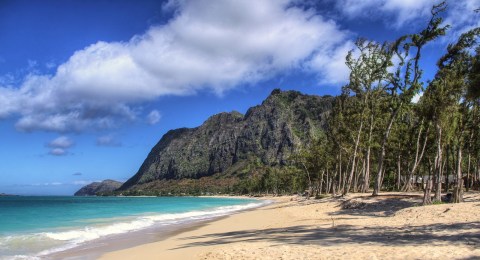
356,184
381,158
438,165
355,150
418,158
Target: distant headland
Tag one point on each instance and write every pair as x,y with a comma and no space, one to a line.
6,195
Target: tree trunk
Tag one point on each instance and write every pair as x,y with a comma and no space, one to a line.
447,179
427,198
340,174
334,192
310,188
355,150
444,169
321,181
438,165
467,186
399,170
418,158
458,192
383,176
381,158
327,188
477,178
366,180
356,185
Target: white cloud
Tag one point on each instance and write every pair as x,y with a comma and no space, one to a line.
50,65
7,79
207,45
55,183
153,117
462,17
417,97
408,10
60,145
395,13
32,64
58,151
108,140
330,64
86,182
82,182
61,142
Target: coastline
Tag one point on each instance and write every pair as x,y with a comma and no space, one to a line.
95,248
170,248
358,226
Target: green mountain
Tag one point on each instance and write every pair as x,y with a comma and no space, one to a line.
227,146
99,188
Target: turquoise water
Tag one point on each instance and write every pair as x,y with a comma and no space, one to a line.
38,226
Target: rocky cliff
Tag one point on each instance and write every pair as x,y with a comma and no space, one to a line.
226,143
98,188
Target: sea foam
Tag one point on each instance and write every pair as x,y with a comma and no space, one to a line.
142,222
63,240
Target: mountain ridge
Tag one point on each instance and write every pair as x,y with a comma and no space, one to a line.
226,144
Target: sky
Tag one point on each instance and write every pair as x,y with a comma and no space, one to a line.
88,87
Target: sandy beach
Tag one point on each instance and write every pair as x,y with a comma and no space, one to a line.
391,226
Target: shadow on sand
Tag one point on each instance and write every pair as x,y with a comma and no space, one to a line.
327,234
379,206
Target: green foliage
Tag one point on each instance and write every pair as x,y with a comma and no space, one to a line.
473,92
272,180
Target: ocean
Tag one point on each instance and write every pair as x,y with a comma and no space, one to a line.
32,227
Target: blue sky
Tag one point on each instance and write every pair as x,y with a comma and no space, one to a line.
88,87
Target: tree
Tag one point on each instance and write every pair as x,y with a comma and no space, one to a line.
473,91
452,95
404,82
368,71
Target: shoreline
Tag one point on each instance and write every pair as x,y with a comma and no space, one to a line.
159,232
185,253
97,248
390,226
